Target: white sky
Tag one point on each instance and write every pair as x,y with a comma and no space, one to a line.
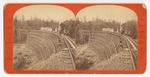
54,12
59,13
108,12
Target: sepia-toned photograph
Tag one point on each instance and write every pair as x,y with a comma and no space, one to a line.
52,37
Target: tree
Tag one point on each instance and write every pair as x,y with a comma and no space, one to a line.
130,28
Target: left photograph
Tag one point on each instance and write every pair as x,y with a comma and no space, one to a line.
38,44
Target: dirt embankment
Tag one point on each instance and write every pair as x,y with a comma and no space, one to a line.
55,62
87,59
116,62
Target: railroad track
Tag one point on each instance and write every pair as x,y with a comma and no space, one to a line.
105,43
133,42
68,53
110,41
102,45
131,55
131,47
130,51
41,44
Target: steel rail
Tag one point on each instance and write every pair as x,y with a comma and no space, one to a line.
131,53
70,52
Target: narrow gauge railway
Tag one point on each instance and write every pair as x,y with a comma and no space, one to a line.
69,52
130,48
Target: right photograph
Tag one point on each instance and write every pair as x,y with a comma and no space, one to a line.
107,38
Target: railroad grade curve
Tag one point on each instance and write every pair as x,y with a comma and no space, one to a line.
70,51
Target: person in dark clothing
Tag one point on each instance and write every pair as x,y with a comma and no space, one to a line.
121,43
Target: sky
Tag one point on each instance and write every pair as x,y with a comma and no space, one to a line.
107,12
59,13
49,12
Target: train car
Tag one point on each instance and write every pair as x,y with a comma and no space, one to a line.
46,29
107,30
